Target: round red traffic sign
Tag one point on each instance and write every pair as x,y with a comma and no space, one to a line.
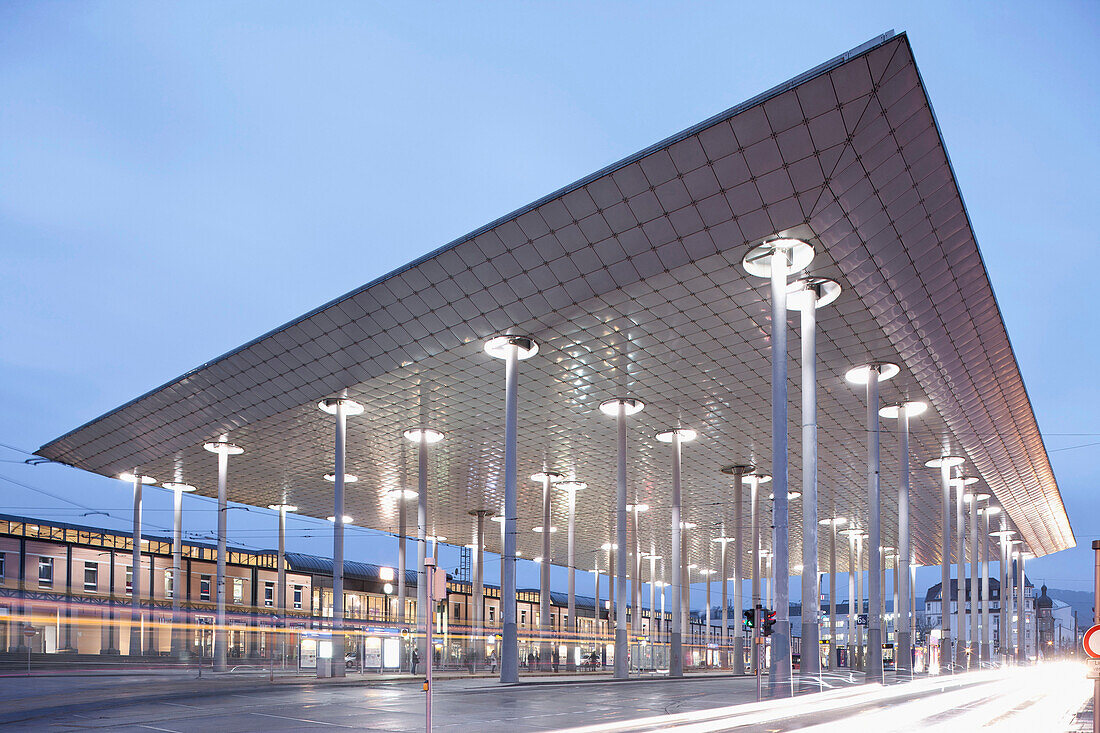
1091,642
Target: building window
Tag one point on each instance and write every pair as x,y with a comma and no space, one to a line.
204,587
458,611
269,594
238,590
492,613
523,618
129,580
1,565
91,577
297,596
169,583
45,572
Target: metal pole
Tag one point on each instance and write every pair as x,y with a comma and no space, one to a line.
960,576
280,578
545,631
402,533
621,668
221,655
653,603
423,612
834,656
780,670
874,500
1021,610
178,640
975,603
676,650
810,664
860,630
754,518
429,580
571,660
904,633
738,564
853,573
1095,620
723,637
478,646
945,570
1004,620
338,666
135,572
509,656
987,654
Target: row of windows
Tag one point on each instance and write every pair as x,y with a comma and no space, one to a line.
91,582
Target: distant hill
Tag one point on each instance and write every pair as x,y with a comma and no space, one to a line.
1080,601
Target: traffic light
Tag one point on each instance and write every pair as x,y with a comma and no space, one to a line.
747,622
767,622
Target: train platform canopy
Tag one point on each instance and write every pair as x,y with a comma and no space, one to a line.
630,281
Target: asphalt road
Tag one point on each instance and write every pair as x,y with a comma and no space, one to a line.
1030,699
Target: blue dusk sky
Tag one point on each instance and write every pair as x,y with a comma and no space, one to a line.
178,178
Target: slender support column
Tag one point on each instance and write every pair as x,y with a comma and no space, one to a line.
897,615
179,635
598,611
779,673
738,565
708,574
904,648
423,613
810,294
572,628
340,410
676,438
223,449
611,578
135,574
620,408
860,634
545,630
1003,622
653,602
960,575
477,632
985,653
834,657
754,519
1021,608
944,464
280,580
402,569
975,602
511,349
723,637
874,500
853,573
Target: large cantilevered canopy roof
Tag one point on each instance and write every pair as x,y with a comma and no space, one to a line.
630,281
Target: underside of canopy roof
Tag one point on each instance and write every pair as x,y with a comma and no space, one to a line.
630,281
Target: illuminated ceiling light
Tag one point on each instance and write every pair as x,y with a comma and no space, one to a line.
423,435
385,574
572,485
637,508
223,446
401,493
329,405
693,566
686,435
759,478
498,347
609,546
630,405
347,519
838,521
349,478
723,539
912,409
282,507
790,495
825,290
860,374
945,462
992,510
647,556
177,486
130,478
498,518
688,525
435,538
758,260
539,529
852,532
958,481
542,476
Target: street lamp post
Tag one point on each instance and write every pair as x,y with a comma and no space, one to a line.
179,640
512,349
422,437
945,464
546,478
572,487
223,449
676,437
620,408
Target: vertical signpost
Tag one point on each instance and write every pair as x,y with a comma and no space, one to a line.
437,588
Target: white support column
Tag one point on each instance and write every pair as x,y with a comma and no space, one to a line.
572,629
754,481
945,464
223,449
340,407
422,437
477,633
401,495
279,622
546,478
776,259
620,408
512,349
975,650
738,565
853,573
987,633
1021,601
676,438
179,636
137,480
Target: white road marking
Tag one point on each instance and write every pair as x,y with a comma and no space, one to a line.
302,720
153,727
181,705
